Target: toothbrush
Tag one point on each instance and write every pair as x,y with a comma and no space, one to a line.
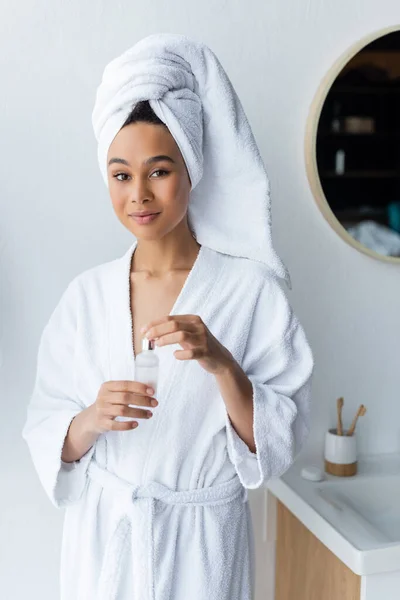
339,406
361,411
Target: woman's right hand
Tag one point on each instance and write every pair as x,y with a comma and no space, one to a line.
113,400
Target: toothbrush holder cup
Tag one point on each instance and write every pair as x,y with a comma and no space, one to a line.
340,454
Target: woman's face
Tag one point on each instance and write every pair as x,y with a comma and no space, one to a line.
161,186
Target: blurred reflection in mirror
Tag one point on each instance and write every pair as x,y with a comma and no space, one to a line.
358,146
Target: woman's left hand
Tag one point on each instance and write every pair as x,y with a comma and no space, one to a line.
195,338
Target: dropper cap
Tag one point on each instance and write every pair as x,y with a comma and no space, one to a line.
147,344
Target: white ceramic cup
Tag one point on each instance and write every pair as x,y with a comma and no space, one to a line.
340,449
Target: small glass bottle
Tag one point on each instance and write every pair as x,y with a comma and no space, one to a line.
146,371
146,365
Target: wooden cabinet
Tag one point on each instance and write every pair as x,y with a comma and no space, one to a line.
305,569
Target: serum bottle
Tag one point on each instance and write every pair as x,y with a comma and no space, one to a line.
146,365
146,371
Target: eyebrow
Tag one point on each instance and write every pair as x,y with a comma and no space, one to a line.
148,161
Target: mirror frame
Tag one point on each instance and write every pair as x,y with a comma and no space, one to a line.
311,142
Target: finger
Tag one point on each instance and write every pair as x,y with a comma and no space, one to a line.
128,398
167,319
177,337
125,398
121,410
131,386
123,425
171,327
192,353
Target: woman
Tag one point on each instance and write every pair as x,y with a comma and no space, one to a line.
157,507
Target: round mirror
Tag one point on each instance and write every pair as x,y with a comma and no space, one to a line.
353,146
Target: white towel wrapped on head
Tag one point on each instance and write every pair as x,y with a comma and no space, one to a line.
188,89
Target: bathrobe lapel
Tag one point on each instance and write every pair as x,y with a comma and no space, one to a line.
194,298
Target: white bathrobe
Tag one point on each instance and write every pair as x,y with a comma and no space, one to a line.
161,512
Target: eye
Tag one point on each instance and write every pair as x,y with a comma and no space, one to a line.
160,171
118,174
126,175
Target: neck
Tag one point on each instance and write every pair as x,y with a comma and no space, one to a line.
163,256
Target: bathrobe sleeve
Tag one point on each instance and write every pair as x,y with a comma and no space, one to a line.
279,363
54,404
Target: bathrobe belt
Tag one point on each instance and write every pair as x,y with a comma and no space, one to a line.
110,572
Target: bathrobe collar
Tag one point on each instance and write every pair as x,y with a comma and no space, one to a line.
191,300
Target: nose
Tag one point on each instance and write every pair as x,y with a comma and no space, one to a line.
139,192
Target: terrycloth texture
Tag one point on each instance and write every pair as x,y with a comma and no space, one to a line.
188,89
109,579
197,551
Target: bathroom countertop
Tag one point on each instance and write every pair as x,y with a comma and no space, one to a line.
357,518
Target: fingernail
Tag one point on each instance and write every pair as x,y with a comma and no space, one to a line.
143,329
150,391
149,414
154,403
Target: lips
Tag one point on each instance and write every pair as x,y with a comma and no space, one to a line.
142,214
143,220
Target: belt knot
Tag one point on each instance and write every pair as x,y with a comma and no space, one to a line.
153,489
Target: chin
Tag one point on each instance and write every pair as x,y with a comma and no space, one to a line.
145,235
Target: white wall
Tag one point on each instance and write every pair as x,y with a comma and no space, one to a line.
57,219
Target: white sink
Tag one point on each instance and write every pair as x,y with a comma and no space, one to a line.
357,518
374,503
